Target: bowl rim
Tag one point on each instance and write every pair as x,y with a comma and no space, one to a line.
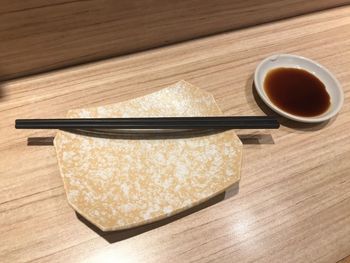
260,89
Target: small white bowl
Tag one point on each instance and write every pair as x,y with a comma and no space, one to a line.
292,61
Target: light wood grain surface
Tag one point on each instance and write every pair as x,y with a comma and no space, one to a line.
345,260
39,35
293,203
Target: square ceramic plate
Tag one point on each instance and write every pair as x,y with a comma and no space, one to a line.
118,183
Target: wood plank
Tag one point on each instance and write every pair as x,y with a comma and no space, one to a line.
40,35
293,203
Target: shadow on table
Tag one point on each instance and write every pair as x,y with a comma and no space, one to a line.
257,138
260,138
2,93
251,92
40,141
115,236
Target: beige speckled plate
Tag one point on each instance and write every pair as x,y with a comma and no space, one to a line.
121,183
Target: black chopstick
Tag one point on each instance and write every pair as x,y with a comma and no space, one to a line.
221,122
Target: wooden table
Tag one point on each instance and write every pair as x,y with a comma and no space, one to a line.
293,203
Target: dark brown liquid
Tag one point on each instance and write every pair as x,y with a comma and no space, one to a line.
297,91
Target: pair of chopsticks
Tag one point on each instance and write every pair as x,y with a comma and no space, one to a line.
221,122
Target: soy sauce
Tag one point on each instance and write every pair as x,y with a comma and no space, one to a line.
297,91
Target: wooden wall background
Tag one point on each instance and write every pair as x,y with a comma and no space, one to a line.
40,35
